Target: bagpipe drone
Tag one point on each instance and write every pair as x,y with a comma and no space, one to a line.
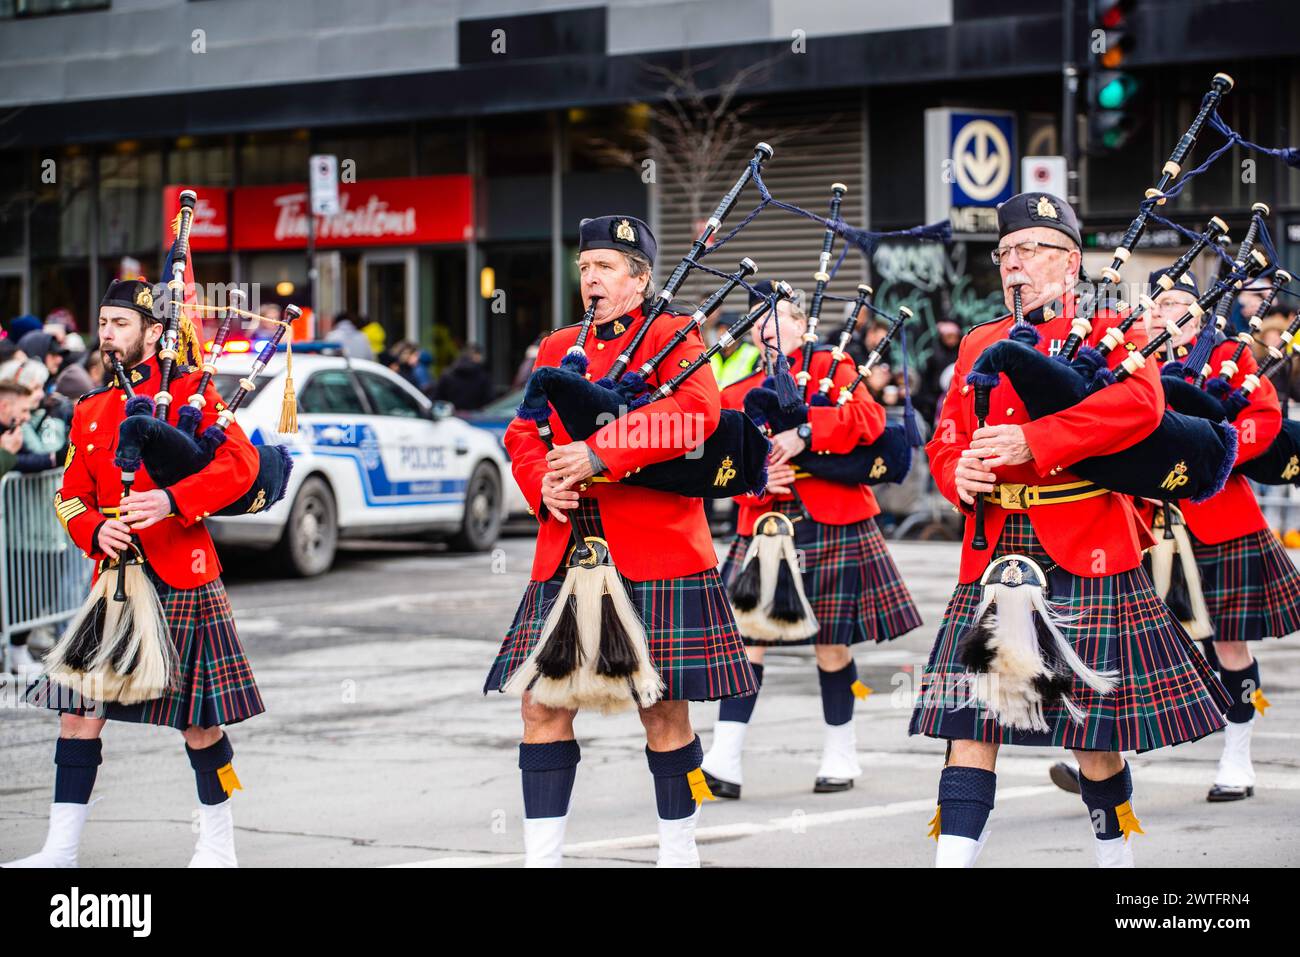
777,406
732,459
171,453
1186,456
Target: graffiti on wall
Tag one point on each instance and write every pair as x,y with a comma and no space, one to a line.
935,281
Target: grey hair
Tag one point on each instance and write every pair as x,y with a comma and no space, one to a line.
638,265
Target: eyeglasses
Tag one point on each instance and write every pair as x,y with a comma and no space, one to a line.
1025,250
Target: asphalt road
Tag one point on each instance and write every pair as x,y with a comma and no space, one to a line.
378,748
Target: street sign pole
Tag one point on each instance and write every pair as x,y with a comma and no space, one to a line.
1069,97
323,196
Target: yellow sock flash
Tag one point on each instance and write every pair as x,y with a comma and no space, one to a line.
1261,703
229,779
699,787
859,689
934,824
1128,822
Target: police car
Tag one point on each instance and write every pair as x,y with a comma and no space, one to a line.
372,457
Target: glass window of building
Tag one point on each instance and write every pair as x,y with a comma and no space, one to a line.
269,158
374,152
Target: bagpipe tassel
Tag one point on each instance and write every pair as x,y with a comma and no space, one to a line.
1022,663
784,385
288,401
910,427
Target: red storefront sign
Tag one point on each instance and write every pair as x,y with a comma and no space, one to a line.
210,230
379,212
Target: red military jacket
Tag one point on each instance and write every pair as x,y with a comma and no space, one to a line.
835,429
651,534
1234,512
178,548
1090,537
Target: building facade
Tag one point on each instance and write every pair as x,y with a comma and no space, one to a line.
473,137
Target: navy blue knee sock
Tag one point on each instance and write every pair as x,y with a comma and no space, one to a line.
742,709
76,763
837,693
1102,798
965,800
206,762
672,789
548,771
1241,686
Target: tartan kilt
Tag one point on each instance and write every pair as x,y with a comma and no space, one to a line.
216,685
1252,589
1167,692
690,630
849,577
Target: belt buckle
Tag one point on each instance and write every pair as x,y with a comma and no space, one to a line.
1011,495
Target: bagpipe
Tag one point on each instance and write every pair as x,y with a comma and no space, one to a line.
1193,387
776,407
1186,456
733,458
171,453
1279,464
593,651
1021,661
118,646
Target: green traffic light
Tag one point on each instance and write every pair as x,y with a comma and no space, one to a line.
1114,94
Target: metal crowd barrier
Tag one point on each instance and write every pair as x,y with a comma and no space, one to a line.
43,576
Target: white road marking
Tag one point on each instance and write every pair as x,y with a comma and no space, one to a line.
791,823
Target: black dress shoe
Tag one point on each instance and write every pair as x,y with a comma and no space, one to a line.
720,788
831,785
1065,776
1221,793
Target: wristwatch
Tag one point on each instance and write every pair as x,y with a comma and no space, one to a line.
805,432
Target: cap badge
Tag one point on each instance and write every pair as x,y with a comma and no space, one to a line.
1045,209
144,298
624,232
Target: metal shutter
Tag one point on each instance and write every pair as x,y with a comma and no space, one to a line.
784,245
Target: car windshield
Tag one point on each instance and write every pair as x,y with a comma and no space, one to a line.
226,384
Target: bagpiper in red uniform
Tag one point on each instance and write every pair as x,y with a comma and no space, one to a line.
1085,540
660,543
851,583
1251,587
216,685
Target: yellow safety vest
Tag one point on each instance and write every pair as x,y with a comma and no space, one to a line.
735,366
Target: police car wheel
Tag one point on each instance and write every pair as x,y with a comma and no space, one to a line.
311,535
481,524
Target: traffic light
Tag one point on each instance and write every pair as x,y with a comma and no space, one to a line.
1112,119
